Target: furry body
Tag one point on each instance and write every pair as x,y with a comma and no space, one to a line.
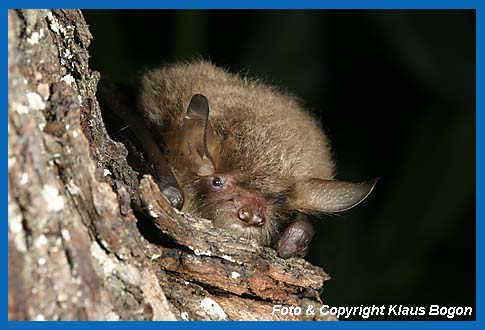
244,154
262,138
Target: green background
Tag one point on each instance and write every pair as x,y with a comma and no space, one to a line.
396,94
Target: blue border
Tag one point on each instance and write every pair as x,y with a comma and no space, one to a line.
247,4
4,147
260,4
480,54
221,325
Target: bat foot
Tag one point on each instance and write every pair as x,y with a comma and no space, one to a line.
174,196
295,241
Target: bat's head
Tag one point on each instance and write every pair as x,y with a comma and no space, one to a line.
234,201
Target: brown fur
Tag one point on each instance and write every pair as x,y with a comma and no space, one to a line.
264,137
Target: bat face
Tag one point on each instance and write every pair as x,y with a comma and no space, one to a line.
248,207
232,204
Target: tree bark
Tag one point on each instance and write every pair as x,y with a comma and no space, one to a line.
78,247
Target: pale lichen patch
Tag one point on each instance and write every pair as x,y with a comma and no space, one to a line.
35,101
200,252
155,256
67,54
43,90
40,241
231,259
20,108
68,79
106,263
55,202
12,161
24,179
151,211
213,309
15,226
72,188
54,24
65,234
34,38
61,297
41,261
112,316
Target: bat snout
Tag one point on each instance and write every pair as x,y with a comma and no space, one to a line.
251,216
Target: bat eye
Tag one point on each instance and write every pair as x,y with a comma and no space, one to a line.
217,182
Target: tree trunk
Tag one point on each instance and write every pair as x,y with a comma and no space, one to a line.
78,247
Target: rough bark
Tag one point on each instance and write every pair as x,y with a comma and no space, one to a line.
78,245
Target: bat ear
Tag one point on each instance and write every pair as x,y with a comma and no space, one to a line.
329,196
193,137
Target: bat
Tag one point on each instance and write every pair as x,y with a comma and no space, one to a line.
241,153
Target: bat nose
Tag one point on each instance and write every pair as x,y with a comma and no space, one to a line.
251,217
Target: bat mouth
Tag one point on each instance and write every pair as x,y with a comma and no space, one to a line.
244,224
246,232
